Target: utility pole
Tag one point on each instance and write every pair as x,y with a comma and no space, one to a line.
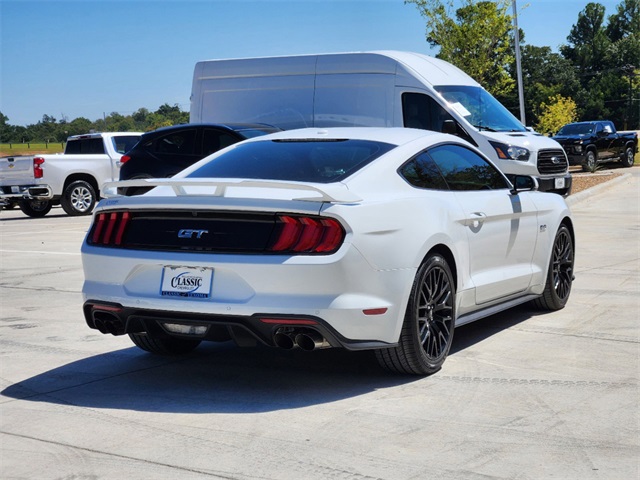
516,36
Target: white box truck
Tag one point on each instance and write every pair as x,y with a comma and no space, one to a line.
384,88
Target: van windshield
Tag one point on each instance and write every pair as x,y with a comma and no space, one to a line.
480,109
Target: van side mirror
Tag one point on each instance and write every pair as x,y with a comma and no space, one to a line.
449,126
523,183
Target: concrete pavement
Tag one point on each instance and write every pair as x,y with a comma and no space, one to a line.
523,395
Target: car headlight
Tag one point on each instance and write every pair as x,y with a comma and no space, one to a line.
578,148
510,152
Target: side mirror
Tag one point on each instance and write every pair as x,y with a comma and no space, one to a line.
523,183
450,127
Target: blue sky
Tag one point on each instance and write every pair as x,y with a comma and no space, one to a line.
84,58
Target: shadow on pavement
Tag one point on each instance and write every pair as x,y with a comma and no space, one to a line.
222,378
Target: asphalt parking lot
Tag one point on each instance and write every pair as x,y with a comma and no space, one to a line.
523,395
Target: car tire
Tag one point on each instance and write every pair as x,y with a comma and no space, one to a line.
78,198
163,345
627,159
560,273
590,162
427,331
35,208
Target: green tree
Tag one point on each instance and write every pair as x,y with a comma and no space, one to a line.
172,114
476,38
5,128
555,113
544,75
607,58
626,20
119,123
588,41
78,126
140,119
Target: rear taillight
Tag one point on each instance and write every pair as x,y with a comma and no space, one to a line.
125,159
301,234
109,228
38,172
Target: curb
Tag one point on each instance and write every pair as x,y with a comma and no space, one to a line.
580,196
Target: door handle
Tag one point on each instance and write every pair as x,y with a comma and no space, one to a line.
476,220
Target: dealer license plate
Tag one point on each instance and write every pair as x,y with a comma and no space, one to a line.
559,182
186,282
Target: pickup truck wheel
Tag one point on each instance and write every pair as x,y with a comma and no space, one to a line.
590,162
427,332
78,198
163,345
560,273
35,208
627,158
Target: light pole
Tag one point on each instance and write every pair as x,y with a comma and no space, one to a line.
516,36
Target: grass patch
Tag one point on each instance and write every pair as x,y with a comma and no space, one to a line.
11,149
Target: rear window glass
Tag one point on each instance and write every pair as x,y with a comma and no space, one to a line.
318,161
85,146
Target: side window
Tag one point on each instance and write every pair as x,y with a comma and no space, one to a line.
464,169
599,128
422,111
214,140
422,172
93,146
182,143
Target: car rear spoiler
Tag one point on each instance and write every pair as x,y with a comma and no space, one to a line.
332,193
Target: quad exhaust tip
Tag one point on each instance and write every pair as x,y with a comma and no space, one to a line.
108,322
303,338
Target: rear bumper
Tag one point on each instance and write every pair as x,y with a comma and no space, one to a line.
25,192
118,320
339,291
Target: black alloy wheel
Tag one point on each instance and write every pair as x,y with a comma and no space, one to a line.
427,332
628,157
590,162
560,274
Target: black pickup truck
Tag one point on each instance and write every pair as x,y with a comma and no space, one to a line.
591,143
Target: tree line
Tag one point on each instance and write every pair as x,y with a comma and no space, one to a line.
596,74
50,129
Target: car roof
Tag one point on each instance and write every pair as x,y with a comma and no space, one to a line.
236,127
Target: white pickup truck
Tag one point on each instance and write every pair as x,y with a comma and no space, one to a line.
72,179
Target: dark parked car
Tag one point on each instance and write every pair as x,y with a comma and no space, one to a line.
166,151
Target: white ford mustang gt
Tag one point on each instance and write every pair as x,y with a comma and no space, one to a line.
360,238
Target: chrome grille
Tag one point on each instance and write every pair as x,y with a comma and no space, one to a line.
552,161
